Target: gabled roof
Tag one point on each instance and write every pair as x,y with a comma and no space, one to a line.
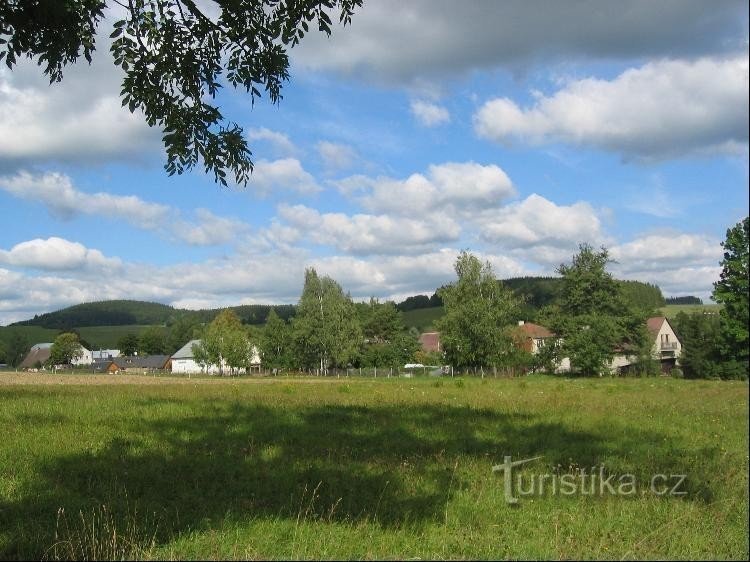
535,331
186,351
654,324
141,362
39,353
430,341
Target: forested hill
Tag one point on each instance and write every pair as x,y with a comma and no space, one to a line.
537,292
542,291
129,312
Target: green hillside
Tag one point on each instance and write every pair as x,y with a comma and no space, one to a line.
672,310
104,313
140,313
422,318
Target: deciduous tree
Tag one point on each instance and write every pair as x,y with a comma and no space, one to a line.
592,316
65,349
325,330
128,344
276,343
478,311
731,290
176,55
225,342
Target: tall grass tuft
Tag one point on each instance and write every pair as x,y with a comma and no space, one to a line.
99,535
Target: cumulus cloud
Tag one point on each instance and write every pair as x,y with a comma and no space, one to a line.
679,263
286,174
660,251
448,189
538,221
369,234
429,114
56,254
437,38
80,120
663,109
61,199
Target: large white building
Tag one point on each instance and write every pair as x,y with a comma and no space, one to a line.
184,362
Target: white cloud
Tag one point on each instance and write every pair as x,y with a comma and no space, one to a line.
286,174
448,189
661,110
369,234
656,252
537,221
208,229
396,42
57,193
56,254
61,198
429,114
279,141
336,156
679,263
80,120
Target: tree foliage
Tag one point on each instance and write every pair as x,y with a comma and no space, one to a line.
65,349
325,330
176,56
478,312
386,340
225,343
16,348
732,290
592,316
700,336
276,343
128,344
152,341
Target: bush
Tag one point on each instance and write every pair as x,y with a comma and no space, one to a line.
676,373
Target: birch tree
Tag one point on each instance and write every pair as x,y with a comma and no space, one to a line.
325,330
479,312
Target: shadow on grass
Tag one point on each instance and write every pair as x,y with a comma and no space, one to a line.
235,461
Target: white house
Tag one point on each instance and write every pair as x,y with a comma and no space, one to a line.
104,354
666,347
184,362
86,358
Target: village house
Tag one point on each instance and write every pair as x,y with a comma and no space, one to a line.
37,356
183,361
137,364
666,347
430,341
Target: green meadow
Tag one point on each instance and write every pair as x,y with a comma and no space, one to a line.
353,468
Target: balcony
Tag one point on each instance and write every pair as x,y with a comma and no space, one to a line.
668,346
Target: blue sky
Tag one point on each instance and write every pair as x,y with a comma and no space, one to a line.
517,130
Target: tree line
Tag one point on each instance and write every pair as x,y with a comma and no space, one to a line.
593,316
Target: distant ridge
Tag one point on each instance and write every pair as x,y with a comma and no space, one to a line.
131,312
537,292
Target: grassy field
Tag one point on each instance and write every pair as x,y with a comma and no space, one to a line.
672,310
399,468
422,318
